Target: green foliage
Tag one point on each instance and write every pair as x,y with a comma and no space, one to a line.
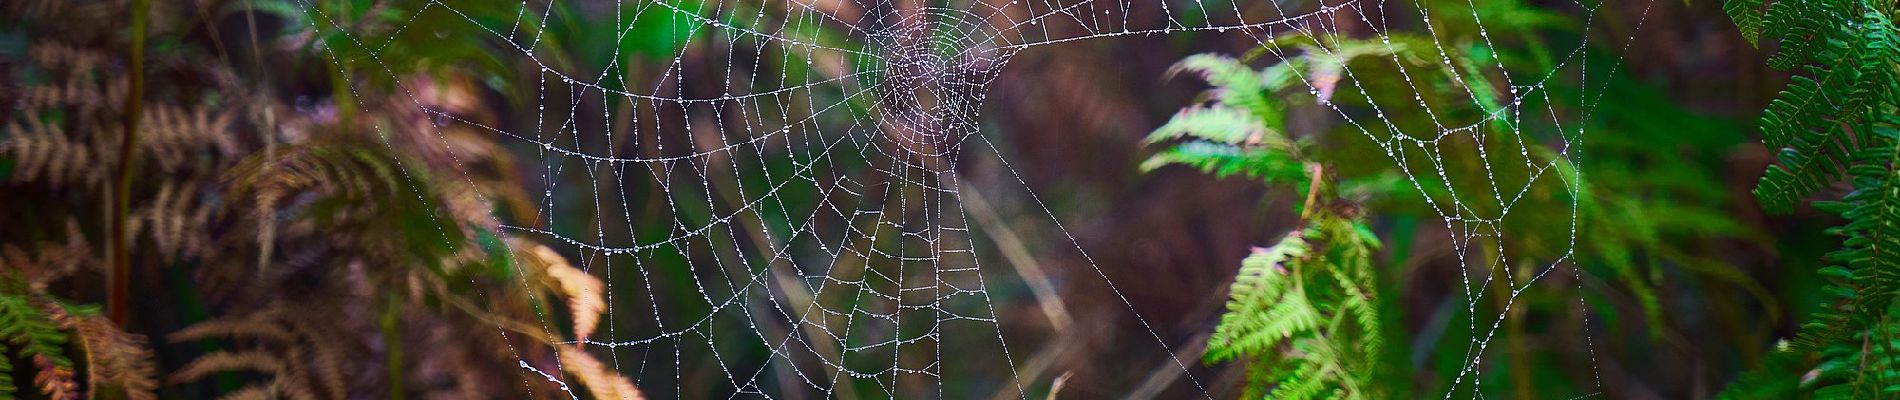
1303,312
1242,129
1864,367
1651,200
1837,121
28,329
1831,119
388,38
1240,132
26,333
1779,377
1747,17
7,388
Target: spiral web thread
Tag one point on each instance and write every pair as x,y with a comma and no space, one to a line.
856,268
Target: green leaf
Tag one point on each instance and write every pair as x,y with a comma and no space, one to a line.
1747,16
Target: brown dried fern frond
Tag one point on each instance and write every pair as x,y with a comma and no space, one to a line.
222,361
582,290
45,152
301,357
177,221
113,358
252,392
173,135
119,359
49,261
349,171
262,325
601,381
55,381
66,13
77,82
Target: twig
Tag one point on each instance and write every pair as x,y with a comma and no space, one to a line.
1318,173
118,291
1168,370
1018,255
1056,387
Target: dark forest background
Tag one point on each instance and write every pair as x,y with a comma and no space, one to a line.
300,227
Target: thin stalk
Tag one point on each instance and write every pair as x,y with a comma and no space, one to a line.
392,342
268,237
1312,190
1056,387
118,282
1513,319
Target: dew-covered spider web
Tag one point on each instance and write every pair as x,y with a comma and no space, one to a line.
772,193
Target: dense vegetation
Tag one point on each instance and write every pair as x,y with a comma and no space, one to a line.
1837,120
1833,123
243,206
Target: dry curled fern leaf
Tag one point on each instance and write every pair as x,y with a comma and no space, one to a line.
37,327
44,152
114,358
583,291
303,359
49,261
602,382
172,135
55,381
177,220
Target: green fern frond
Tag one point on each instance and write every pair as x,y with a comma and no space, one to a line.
1218,124
1747,16
1869,259
7,389
1304,381
28,329
1302,313
1224,160
1260,311
1239,132
1813,145
1803,26
1305,311
1239,87
1779,377
1838,123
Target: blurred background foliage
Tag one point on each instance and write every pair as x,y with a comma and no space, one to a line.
1651,210
300,227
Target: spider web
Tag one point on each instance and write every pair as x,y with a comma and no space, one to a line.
777,208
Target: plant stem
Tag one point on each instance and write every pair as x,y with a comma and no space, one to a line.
392,343
118,281
1312,190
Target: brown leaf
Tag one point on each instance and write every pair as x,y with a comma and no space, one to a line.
583,291
601,381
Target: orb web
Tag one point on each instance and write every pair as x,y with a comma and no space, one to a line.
774,199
